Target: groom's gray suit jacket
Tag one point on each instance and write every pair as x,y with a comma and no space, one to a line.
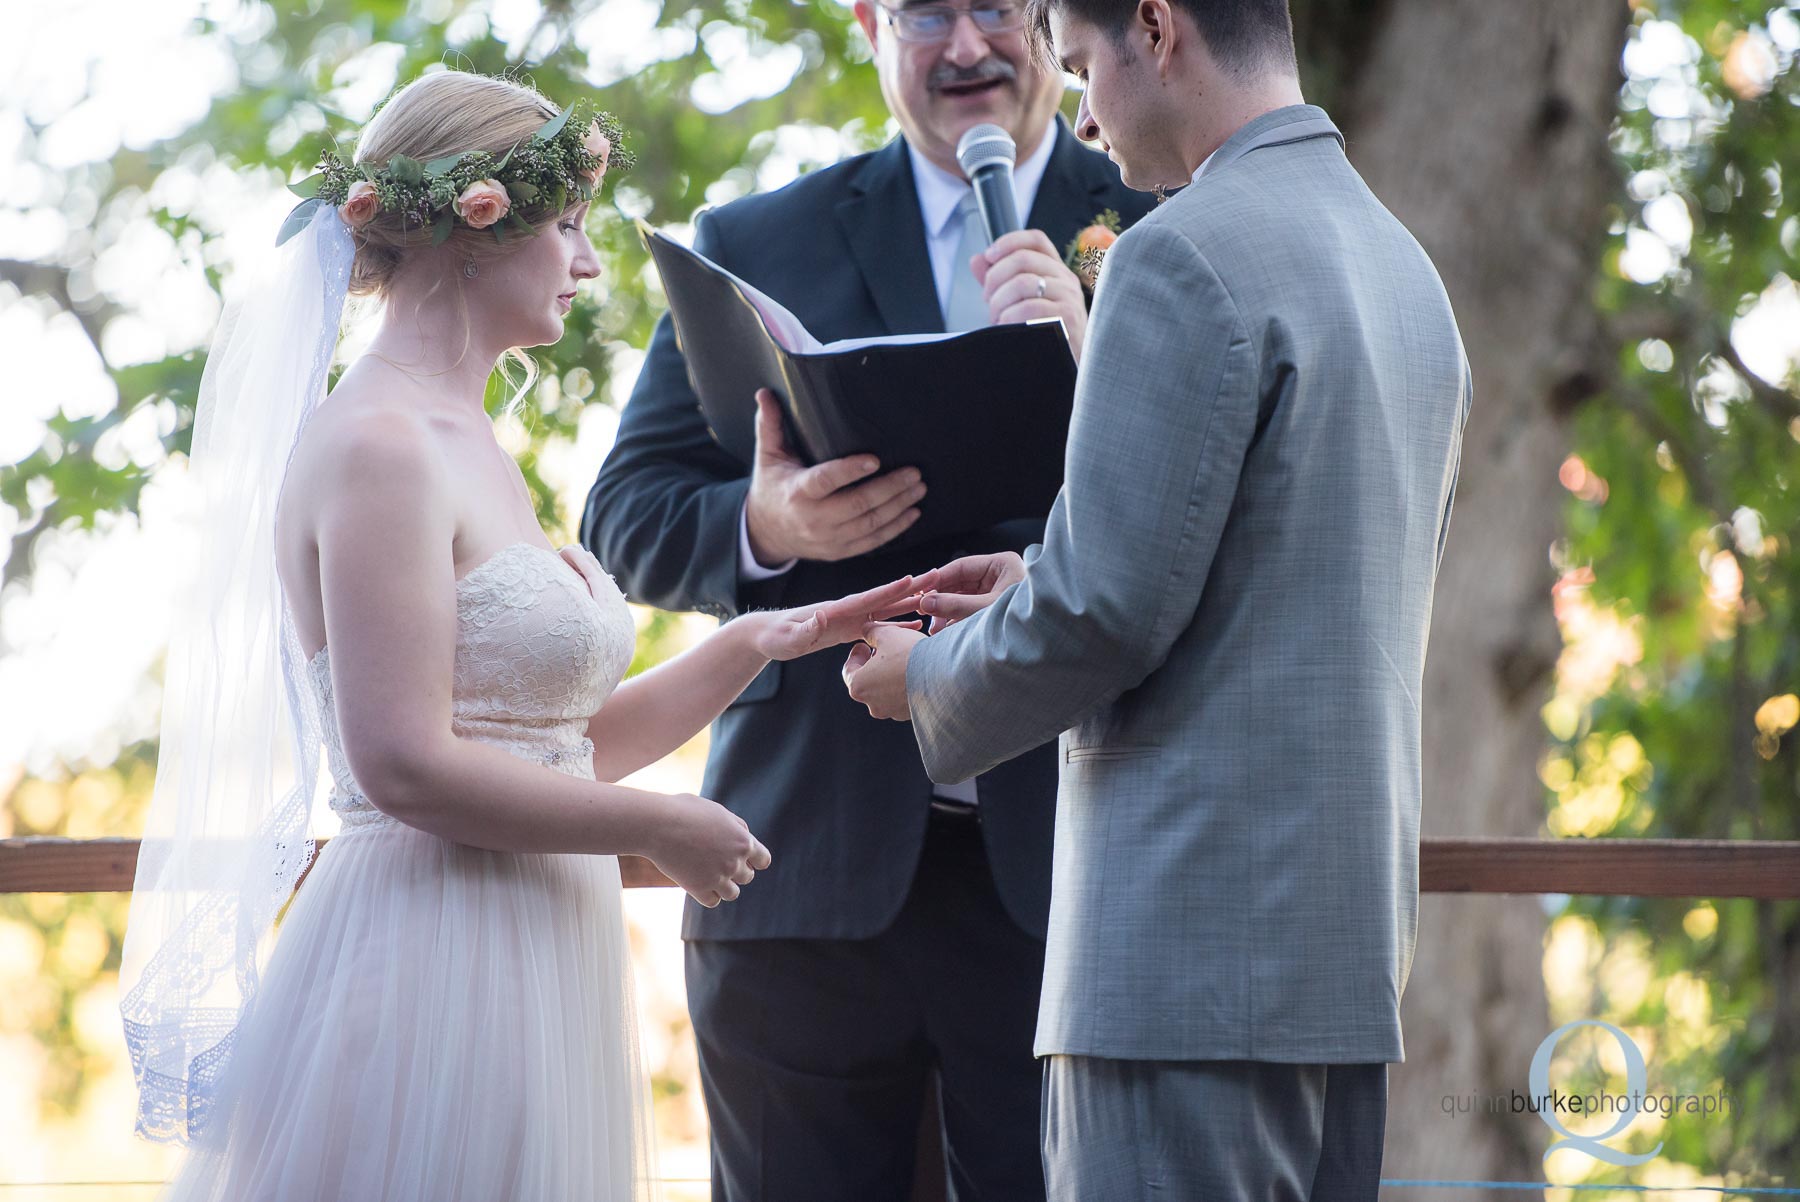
1227,621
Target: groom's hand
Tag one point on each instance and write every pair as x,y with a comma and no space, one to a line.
967,586
821,512
875,673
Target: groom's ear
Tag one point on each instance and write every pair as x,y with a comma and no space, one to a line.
1157,33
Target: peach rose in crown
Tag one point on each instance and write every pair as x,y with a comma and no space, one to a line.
600,146
483,203
360,205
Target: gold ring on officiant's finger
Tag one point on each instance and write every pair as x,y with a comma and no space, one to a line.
1040,291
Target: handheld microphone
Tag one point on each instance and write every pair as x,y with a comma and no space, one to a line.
986,154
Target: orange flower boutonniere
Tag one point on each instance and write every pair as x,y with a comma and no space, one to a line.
1087,250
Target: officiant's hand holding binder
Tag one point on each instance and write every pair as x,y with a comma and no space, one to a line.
983,414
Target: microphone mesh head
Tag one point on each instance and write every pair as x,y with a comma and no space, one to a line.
983,146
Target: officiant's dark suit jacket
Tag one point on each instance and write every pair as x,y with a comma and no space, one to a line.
840,798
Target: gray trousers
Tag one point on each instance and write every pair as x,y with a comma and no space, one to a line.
1198,1130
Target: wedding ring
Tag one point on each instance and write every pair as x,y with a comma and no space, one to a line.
1040,290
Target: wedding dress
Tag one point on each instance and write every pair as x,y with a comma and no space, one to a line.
440,1023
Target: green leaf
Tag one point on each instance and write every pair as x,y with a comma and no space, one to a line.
553,126
440,229
514,221
523,189
299,219
405,170
308,187
445,165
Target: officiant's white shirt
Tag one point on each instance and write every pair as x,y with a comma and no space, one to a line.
939,194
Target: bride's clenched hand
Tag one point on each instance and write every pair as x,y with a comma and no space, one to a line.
707,850
790,633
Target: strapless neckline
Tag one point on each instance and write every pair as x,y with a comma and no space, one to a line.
319,656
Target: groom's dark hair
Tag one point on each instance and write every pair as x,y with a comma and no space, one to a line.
1243,36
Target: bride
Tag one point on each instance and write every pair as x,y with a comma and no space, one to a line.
446,1013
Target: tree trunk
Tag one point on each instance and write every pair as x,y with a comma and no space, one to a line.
1483,126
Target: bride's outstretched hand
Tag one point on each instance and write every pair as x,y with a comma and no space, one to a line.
791,633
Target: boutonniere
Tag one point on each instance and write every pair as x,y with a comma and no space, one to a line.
1087,250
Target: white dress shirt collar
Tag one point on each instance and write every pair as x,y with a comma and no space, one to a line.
1201,169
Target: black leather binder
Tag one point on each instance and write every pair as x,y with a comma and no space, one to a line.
983,415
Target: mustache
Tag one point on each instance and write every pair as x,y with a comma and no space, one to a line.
988,69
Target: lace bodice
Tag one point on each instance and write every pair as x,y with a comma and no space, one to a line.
540,644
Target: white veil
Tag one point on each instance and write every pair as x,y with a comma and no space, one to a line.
226,839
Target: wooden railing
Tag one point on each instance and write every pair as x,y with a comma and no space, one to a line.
1617,867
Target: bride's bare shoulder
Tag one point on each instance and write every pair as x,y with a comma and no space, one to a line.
365,443
367,489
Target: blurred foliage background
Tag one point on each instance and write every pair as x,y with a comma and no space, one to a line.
1679,598
1675,700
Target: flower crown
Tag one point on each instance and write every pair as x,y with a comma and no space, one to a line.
564,158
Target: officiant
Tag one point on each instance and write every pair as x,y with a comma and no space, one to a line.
896,943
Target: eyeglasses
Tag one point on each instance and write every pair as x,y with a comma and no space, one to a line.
936,22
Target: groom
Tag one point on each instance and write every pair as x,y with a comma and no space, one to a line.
1227,622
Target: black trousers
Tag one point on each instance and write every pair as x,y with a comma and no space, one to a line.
815,1054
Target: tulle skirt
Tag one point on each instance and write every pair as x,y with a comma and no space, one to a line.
436,1023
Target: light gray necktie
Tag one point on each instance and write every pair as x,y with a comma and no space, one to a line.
967,309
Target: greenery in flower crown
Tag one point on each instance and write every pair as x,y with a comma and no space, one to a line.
539,174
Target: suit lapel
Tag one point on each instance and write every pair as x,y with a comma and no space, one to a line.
881,222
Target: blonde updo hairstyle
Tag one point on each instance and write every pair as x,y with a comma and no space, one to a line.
444,113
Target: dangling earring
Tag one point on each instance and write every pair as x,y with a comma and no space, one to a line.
470,269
